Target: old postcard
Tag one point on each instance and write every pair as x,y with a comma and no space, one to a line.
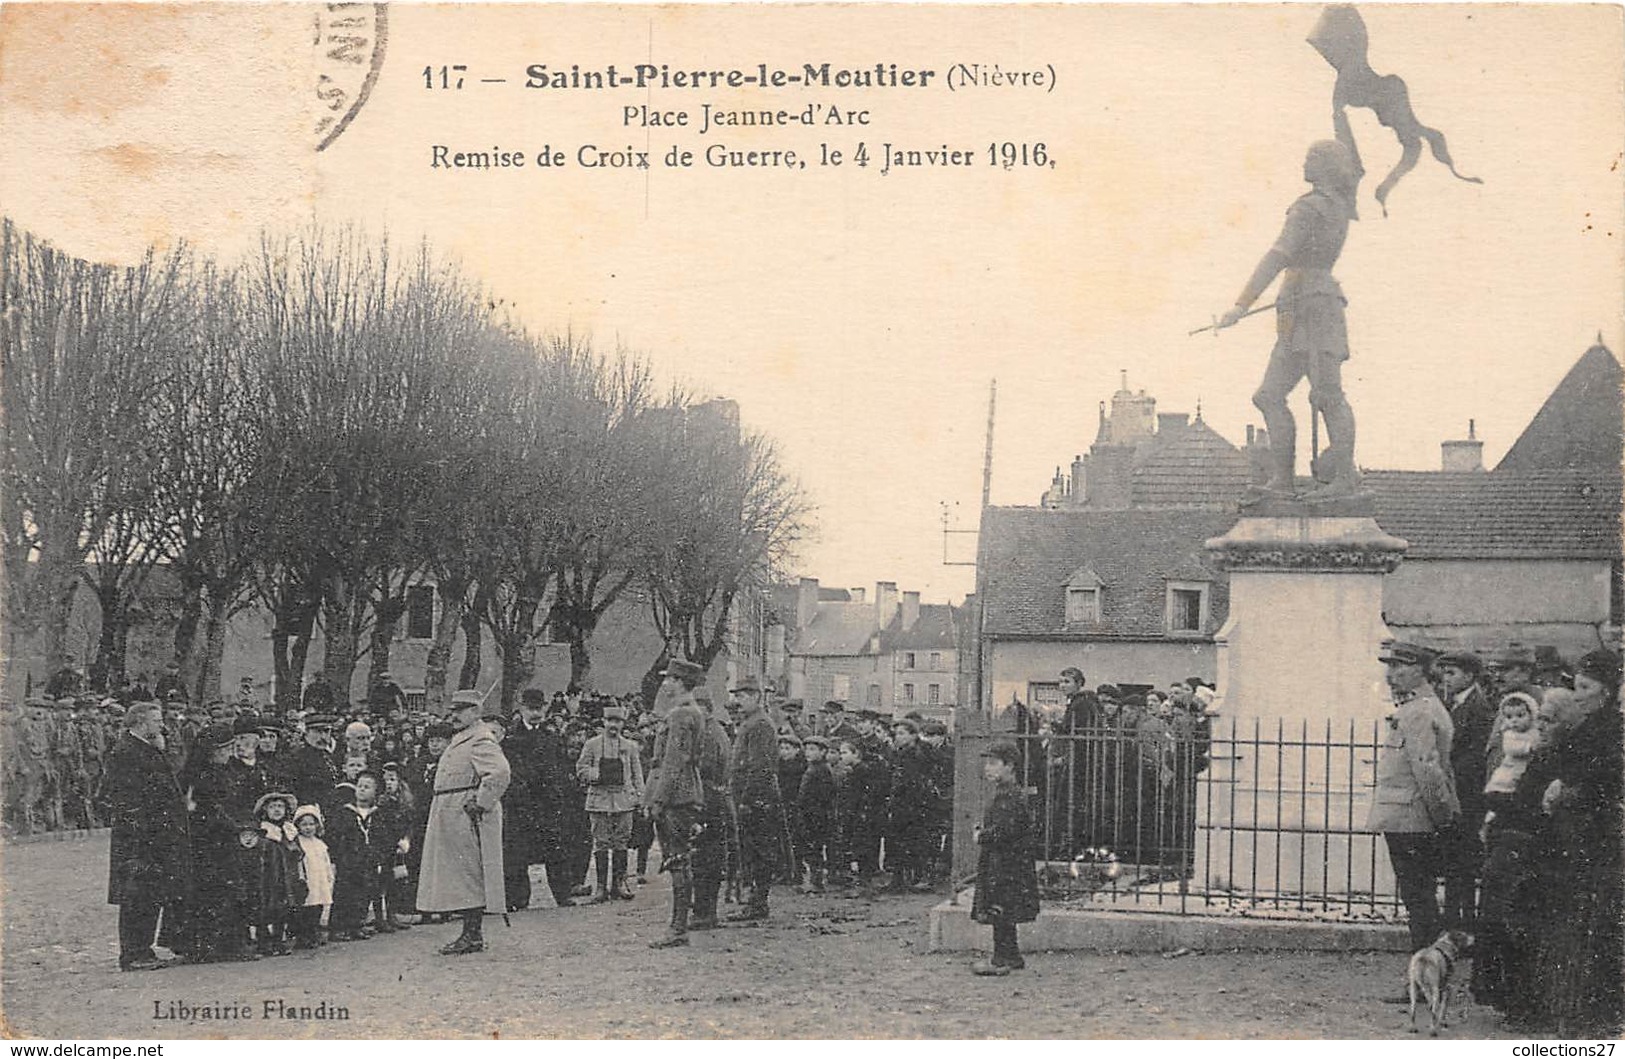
811,521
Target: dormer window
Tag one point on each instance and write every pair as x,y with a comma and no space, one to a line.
1083,590
1187,608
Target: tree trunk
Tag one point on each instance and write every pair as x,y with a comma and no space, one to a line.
473,631
580,660
186,627
653,679
453,605
216,618
518,653
299,651
108,668
58,583
386,619
339,641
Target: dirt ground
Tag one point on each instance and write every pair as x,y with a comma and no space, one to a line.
820,968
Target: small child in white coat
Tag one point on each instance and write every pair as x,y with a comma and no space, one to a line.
317,871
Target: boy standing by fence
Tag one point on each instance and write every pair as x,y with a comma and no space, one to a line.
1006,882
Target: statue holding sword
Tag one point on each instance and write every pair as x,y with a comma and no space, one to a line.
1311,333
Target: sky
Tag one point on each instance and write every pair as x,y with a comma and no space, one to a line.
859,318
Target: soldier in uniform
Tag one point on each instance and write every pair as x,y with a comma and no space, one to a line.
309,768
612,770
1311,333
677,796
753,784
462,849
716,848
1416,798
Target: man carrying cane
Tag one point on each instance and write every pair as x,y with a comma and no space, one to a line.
677,796
462,849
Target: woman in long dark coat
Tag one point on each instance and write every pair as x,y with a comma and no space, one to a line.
1585,987
1006,880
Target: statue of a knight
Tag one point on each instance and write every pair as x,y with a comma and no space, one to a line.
1311,333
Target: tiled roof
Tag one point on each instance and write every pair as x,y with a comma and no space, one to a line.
933,630
1499,514
833,595
1193,466
1027,555
838,629
1580,425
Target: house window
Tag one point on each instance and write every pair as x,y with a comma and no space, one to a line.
420,612
908,692
908,660
874,696
1082,606
936,659
933,694
1187,607
841,687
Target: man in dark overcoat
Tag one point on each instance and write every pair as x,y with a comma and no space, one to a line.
149,863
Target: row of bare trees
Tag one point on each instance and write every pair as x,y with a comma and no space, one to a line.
327,423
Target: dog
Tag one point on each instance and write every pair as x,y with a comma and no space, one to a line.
1429,975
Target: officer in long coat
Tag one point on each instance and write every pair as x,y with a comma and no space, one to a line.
1415,799
462,849
149,862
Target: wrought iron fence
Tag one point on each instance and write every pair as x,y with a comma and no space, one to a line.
1204,816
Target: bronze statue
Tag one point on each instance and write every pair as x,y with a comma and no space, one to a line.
1311,334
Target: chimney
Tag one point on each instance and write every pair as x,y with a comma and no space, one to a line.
885,602
1467,455
858,595
1251,434
1080,481
911,609
806,601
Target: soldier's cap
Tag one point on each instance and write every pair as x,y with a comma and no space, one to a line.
390,766
65,704
533,697
868,714
220,735
320,720
614,713
750,684
1005,752
246,724
816,740
276,796
1465,661
834,706
790,737
683,668
905,722
916,716
792,706
933,728
466,697
1405,653
1515,655
269,726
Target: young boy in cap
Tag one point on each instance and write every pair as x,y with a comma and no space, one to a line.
815,811
1006,882
612,768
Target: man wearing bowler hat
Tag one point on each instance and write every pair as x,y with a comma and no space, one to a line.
462,847
1415,798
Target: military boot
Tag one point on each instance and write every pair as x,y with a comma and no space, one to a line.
601,864
617,887
677,933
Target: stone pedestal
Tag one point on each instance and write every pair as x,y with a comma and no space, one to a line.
1300,695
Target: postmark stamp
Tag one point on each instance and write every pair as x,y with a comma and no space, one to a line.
349,41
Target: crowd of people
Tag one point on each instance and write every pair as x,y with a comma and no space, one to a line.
1503,782
239,834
